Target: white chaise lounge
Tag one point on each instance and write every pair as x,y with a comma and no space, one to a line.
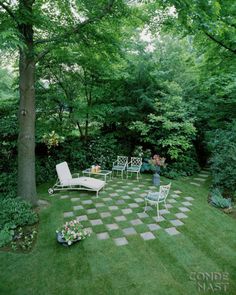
67,182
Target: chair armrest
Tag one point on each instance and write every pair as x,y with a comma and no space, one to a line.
114,163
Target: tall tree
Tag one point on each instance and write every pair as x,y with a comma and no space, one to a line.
37,28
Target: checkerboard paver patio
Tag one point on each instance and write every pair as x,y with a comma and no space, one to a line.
121,212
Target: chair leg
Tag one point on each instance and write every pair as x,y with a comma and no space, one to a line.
158,214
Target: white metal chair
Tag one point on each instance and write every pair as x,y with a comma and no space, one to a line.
134,166
120,164
154,198
67,182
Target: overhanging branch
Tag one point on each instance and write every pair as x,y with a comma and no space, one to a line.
220,43
9,11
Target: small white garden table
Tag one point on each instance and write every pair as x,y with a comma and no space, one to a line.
104,173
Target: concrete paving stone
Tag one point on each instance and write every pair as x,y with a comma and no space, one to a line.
175,196
176,222
89,230
203,175
139,200
120,202
131,193
96,221
82,218
153,226
103,236
91,211
169,206
120,241
161,218
152,187
107,199
68,214
126,211
184,209
136,189
119,190
120,218
196,184
85,202
141,185
79,207
177,192
142,215
189,198
112,226
187,203
113,208
143,195
147,236
172,231
133,205
136,222
129,231
163,211
105,214
172,201
126,197
114,195
99,205
65,197
200,179
181,215
75,199
129,183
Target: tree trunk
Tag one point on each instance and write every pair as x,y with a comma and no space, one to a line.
26,139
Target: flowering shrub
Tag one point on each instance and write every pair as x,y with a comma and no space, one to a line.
52,139
72,231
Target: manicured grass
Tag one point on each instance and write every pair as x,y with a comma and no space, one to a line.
206,244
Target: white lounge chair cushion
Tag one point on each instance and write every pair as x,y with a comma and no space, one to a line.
89,182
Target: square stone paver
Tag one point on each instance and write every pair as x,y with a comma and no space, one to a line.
176,222
91,211
142,215
120,241
105,214
153,226
131,193
82,218
177,192
187,203
172,201
68,214
78,208
139,200
126,211
136,222
196,184
120,202
87,202
172,231
161,218
66,197
189,198
89,230
126,197
181,215
96,221
200,179
114,195
133,205
143,195
136,189
184,209
112,226
103,236
169,206
120,218
75,199
107,199
175,196
147,236
163,211
129,231
113,208
99,205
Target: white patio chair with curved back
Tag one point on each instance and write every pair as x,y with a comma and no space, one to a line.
155,198
134,166
67,182
120,164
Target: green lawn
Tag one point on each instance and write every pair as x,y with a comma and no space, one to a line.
206,244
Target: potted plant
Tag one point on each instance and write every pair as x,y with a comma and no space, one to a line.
71,232
156,162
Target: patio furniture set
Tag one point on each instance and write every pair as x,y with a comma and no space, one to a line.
67,181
